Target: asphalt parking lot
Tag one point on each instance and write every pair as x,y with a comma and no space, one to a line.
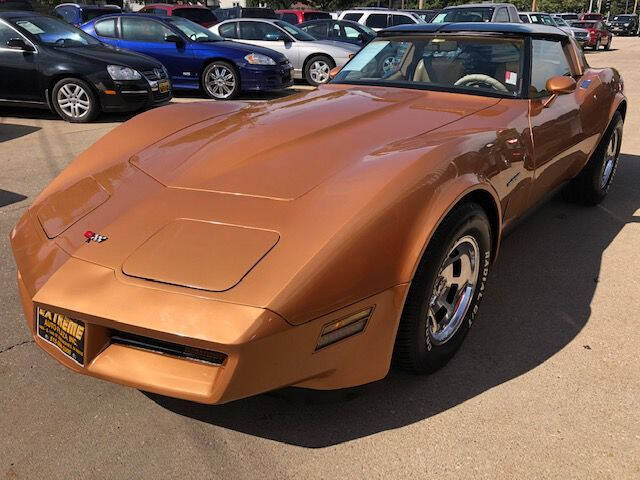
546,385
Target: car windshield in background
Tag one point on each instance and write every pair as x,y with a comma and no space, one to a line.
541,19
623,18
53,32
295,32
91,13
583,24
473,14
560,22
195,14
194,31
316,16
467,64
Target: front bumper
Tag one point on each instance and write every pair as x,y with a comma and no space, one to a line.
266,78
263,351
126,96
622,30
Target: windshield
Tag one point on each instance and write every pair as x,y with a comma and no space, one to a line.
316,16
541,19
560,22
194,31
53,32
365,29
467,64
472,14
198,15
294,31
583,24
623,18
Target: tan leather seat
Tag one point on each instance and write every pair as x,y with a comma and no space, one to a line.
420,74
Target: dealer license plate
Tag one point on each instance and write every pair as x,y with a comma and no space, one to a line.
163,87
64,333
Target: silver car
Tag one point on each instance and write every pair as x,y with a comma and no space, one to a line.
311,59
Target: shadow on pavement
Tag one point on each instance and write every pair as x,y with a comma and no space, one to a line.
8,198
538,300
10,131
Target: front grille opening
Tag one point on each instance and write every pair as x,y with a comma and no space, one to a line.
168,348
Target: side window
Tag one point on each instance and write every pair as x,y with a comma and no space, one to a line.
354,17
291,18
259,31
524,18
377,20
318,30
228,30
67,14
351,32
548,60
401,20
502,16
106,28
6,34
142,30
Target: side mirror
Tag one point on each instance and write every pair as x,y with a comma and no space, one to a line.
19,44
334,71
559,85
173,39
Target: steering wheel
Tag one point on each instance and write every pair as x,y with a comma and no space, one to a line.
476,79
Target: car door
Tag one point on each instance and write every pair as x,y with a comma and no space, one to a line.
148,36
19,73
268,35
556,123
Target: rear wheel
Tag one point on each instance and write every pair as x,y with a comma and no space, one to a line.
608,45
74,100
220,81
445,292
593,183
317,68
597,45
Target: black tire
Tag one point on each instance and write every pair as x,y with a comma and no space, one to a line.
220,80
312,73
416,350
591,186
73,99
596,47
608,45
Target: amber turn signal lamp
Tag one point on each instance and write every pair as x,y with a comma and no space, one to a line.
343,328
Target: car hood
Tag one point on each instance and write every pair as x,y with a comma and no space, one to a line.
238,48
241,152
111,55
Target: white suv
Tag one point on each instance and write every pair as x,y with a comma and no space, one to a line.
379,18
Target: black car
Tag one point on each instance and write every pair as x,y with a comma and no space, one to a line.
79,13
624,24
426,15
223,14
338,30
47,63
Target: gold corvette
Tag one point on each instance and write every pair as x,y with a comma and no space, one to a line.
215,251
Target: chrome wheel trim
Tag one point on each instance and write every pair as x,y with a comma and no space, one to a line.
220,81
319,71
610,158
453,290
73,100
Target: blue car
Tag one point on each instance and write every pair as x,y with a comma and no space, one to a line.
195,57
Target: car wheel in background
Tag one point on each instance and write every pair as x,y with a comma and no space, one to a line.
74,100
593,183
317,68
445,292
596,47
608,45
220,80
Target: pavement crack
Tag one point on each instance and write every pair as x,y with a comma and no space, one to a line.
16,345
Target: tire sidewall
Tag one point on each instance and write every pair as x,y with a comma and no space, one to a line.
228,66
617,124
430,355
94,108
307,68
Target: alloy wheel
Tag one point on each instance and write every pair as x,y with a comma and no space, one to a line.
453,290
319,71
610,158
220,82
73,100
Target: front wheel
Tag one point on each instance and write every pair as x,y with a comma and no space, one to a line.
608,45
593,183
445,293
316,70
74,100
220,81
597,45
